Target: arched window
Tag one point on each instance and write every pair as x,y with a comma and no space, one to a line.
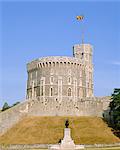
69,92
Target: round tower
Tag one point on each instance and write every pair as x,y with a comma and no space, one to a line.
62,78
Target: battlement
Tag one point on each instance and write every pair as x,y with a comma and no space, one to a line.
87,48
53,61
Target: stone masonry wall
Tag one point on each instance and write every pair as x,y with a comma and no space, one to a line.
68,107
40,107
11,116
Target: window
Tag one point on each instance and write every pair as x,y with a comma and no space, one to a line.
88,85
51,71
51,91
41,90
51,80
42,86
82,55
69,92
69,80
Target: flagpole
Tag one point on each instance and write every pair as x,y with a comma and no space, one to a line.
82,36
80,18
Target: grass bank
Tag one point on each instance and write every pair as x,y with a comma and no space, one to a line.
49,130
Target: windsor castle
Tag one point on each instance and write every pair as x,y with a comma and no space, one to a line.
59,86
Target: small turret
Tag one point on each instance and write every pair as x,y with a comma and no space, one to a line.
83,52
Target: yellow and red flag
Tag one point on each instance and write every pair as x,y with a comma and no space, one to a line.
80,17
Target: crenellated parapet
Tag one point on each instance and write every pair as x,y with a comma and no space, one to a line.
53,61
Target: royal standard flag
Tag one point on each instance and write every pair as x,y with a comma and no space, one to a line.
80,17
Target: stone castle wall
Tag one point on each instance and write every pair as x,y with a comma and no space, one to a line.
52,107
82,107
11,116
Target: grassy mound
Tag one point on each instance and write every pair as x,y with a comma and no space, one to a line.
46,130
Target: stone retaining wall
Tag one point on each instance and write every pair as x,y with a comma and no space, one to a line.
45,146
11,116
40,107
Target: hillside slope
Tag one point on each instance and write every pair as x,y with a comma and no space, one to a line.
85,130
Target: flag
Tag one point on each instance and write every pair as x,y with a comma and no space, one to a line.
80,17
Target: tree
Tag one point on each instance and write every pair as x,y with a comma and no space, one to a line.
115,108
5,106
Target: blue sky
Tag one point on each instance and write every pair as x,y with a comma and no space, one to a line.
33,29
